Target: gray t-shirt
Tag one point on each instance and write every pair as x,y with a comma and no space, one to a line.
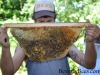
51,67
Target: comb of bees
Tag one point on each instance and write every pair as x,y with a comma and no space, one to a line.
46,43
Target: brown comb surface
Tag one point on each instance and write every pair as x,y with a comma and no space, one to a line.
47,42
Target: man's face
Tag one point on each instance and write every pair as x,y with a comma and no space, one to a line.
45,19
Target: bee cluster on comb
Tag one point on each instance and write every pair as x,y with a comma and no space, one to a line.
46,43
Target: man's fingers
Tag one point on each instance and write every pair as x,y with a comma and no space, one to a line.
5,29
94,27
91,34
1,33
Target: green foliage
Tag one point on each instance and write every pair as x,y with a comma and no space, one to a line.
67,11
0,24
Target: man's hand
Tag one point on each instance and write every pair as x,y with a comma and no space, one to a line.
4,40
92,32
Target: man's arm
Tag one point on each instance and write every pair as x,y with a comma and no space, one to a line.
6,62
88,59
18,58
9,65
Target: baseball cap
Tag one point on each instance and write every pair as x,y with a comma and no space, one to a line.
44,8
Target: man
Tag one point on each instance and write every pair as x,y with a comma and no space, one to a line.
44,11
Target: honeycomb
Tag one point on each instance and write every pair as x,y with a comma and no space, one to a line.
46,43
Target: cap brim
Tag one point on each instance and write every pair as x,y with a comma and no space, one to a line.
44,13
